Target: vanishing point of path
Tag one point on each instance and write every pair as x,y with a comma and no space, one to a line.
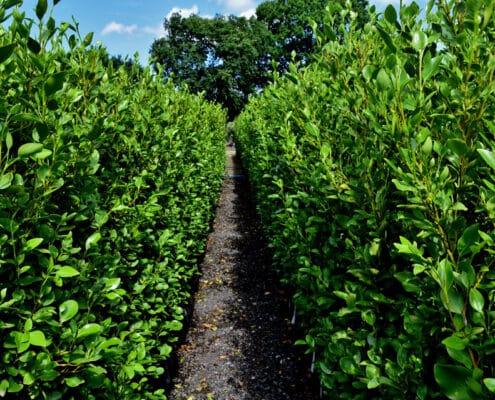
239,345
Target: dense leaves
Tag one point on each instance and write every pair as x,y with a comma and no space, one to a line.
373,170
230,58
108,180
224,57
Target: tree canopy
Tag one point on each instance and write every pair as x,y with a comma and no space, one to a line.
229,58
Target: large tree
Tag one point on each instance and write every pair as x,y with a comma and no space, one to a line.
224,57
229,58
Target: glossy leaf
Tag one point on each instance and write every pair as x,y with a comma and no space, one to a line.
66,272
37,338
31,244
88,330
28,149
488,156
6,180
476,300
455,342
419,41
74,381
68,310
458,146
92,240
453,381
490,384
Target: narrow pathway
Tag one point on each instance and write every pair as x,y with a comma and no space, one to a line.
239,344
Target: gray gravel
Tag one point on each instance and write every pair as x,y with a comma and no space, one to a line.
240,341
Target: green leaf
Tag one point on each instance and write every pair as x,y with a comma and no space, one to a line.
173,325
37,338
476,300
54,83
32,244
383,80
41,8
458,146
387,39
66,272
4,387
93,240
33,45
452,301
488,156
431,67
88,39
29,148
11,3
88,330
390,14
6,180
419,41
6,52
67,310
489,383
74,381
14,387
469,237
461,356
9,140
28,379
348,365
112,284
455,342
445,274
427,146
453,381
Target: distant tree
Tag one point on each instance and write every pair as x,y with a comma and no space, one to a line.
229,58
224,57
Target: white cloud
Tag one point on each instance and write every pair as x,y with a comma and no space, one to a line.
249,13
240,6
184,12
157,31
115,27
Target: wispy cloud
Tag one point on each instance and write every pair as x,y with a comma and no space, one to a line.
249,13
115,27
240,6
157,31
184,12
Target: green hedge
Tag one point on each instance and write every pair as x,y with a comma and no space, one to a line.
374,175
108,184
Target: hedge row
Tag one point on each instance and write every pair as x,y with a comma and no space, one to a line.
108,183
374,175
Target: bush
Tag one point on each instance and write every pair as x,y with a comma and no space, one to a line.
108,184
373,170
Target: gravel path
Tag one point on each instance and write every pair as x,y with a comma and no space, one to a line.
239,343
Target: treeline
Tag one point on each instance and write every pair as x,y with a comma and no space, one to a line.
374,170
108,183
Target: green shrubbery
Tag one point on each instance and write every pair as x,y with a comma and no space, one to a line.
108,183
373,170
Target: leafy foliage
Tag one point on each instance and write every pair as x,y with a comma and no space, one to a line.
373,170
230,58
108,182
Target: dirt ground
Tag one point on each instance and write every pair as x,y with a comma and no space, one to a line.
240,341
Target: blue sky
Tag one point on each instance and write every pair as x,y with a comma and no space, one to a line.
129,26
